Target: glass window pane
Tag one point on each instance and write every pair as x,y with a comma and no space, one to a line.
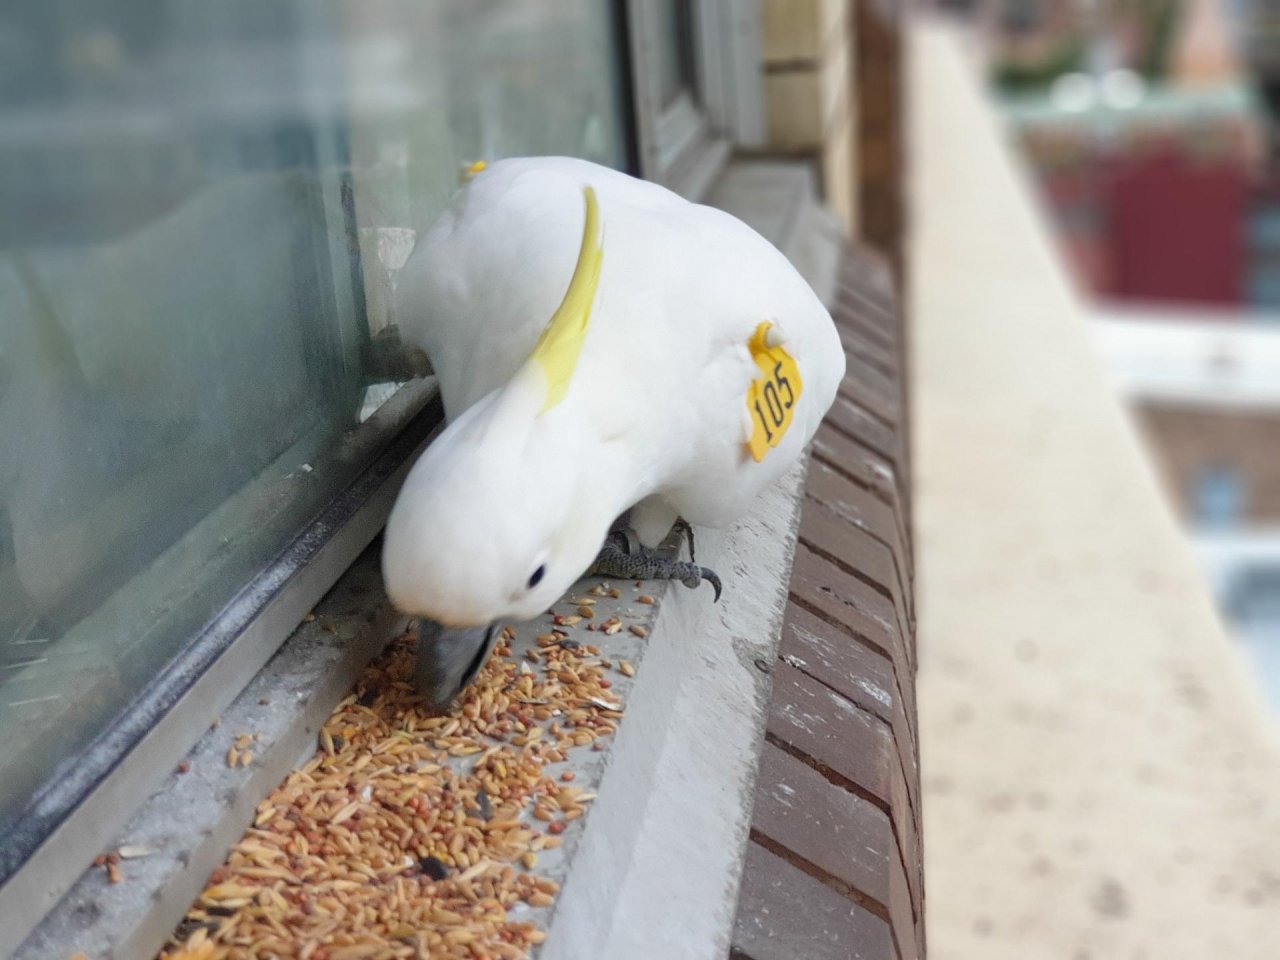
674,49
203,207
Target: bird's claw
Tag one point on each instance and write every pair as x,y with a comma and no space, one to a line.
685,529
622,556
709,575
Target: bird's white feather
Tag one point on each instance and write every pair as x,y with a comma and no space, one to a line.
655,409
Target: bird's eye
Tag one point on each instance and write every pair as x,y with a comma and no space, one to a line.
536,577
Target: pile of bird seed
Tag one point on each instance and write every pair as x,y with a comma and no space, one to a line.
408,835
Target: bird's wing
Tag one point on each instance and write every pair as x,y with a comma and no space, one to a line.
699,312
667,364
481,284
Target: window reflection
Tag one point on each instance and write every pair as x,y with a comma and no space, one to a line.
202,211
674,51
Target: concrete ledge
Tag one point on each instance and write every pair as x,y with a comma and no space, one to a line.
667,836
1100,773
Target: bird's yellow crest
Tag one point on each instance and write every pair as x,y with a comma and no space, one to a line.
560,345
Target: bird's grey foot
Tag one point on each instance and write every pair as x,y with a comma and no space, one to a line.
623,556
685,529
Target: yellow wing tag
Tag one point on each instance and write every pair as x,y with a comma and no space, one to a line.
773,395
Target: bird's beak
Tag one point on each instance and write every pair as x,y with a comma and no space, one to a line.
449,659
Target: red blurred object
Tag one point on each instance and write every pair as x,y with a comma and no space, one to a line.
1176,229
1076,197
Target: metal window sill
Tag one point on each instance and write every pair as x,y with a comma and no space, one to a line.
668,832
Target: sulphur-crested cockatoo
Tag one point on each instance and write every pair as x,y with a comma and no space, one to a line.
602,345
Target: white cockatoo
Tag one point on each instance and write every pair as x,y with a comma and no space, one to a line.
602,346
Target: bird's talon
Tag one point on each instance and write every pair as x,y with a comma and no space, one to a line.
685,529
619,558
712,578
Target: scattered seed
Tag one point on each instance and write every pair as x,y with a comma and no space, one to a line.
414,835
644,598
433,867
184,766
639,630
626,669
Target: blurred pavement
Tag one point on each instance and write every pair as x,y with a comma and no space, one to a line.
1101,779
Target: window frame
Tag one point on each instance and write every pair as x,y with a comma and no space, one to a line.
683,145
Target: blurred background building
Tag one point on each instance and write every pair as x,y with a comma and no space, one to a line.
1149,127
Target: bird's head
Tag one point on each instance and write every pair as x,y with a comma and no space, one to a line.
494,522
498,517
